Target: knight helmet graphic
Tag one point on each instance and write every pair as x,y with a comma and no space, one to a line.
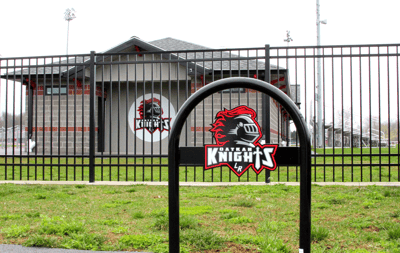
150,113
237,133
245,133
236,127
152,110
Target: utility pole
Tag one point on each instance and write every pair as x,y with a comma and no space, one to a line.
320,128
69,15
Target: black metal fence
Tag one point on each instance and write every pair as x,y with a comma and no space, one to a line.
107,116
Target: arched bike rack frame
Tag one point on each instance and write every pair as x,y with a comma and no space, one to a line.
290,156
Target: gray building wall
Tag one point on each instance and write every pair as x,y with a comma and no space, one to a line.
121,108
60,123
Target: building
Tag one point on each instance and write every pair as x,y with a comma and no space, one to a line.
140,87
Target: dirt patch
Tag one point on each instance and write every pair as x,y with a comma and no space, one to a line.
371,229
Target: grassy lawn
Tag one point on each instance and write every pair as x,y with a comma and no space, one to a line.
339,165
213,219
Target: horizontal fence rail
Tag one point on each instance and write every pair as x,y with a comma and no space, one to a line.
106,117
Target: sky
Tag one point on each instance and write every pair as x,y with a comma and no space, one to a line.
37,28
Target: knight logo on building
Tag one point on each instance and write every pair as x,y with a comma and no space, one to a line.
237,133
151,117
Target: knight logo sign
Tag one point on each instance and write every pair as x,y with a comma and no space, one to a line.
237,133
151,117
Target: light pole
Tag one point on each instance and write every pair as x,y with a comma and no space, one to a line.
288,38
69,15
320,130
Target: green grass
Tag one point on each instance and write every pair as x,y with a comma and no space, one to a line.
348,164
216,219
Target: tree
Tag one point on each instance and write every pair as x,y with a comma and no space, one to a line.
12,120
390,130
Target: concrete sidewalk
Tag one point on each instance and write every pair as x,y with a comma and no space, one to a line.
359,184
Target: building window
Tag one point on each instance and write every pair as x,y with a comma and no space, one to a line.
56,90
234,90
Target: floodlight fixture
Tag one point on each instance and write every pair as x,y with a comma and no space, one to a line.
324,22
69,15
288,38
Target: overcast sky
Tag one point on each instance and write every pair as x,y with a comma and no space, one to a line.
33,28
38,28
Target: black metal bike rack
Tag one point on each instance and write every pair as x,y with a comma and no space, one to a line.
289,156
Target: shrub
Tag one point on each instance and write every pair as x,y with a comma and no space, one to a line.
58,226
368,204
230,215
41,241
120,230
40,196
201,239
16,231
185,222
265,243
244,202
10,216
109,222
394,233
375,195
240,220
164,248
141,241
359,223
195,210
336,201
319,233
270,226
33,215
83,241
138,215
161,223
159,213
188,222
395,214
387,193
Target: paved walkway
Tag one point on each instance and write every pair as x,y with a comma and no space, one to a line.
197,183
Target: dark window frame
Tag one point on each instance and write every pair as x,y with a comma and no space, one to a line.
234,90
57,90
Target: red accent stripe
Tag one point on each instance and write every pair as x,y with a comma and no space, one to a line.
72,91
200,129
62,129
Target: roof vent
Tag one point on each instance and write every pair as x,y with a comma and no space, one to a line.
135,37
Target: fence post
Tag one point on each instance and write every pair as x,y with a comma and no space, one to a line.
266,121
92,133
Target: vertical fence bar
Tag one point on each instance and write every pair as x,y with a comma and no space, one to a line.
127,119
398,111
92,134
118,117
388,117
265,100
